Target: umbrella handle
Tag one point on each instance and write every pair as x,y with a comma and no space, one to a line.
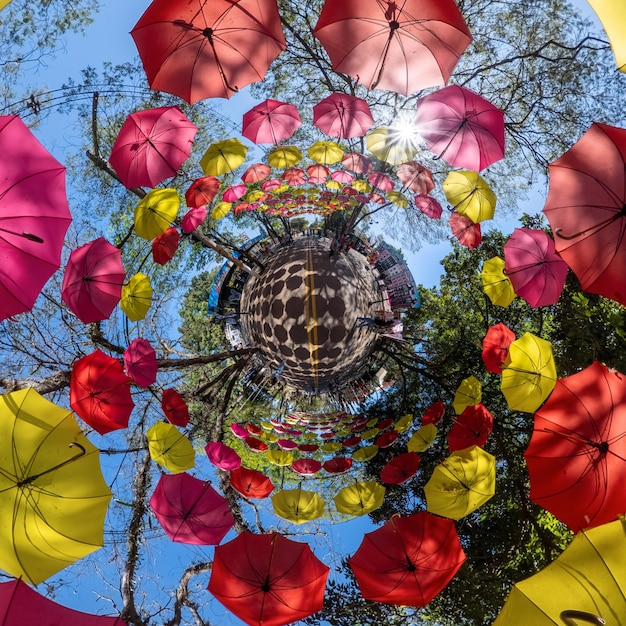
570,618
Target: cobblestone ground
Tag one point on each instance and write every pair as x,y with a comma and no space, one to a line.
302,312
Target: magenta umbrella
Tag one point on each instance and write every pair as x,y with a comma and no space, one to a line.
270,122
140,362
537,272
461,127
93,279
34,216
344,116
222,456
428,205
190,510
151,146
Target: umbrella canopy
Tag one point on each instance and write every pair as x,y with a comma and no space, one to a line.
360,498
390,145
422,438
250,483
470,195
325,152
282,458
223,157
268,579
53,497
298,506
462,483
496,347
256,173
174,407
471,428
151,146
337,465
190,510
170,448
468,393
400,469
222,456
614,24
343,116
193,218
92,283
496,284
416,177
461,127
306,467
202,191
270,122
586,196
284,157
100,392
588,578
397,47
467,232
136,297
408,560
199,49
140,362
21,605
536,271
528,373
357,163
34,216
164,246
434,413
155,212
577,453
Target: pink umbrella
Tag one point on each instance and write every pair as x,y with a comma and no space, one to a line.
342,115
343,177
537,272
202,191
151,146
193,218
294,176
140,362
471,428
306,467
34,216
468,233
461,127
164,246
256,173
190,510
428,205
318,173
357,163
92,284
222,456
239,431
175,408
234,193
380,181
287,444
270,122
416,177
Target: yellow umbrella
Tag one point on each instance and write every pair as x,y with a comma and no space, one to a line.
255,195
270,437
588,578
367,453
371,423
223,157
3,3
370,433
136,297
221,209
282,158
333,184
298,506
470,195
53,497
528,373
362,185
155,212
397,198
496,284
390,145
326,152
361,498
422,439
282,458
404,423
462,483
331,446
170,448
612,14
469,393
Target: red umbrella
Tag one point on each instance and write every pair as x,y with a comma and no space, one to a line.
344,116
175,408
577,453
537,272
100,392
433,413
151,146
585,208
461,127
416,177
34,216
256,173
202,191
270,122
22,606
268,579
164,246
468,233
471,428
409,560
428,205
401,47
256,445
140,362
190,510
222,456
306,467
400,469
250,483
496,347
386,439
337,465
92,283
308,447
200,49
